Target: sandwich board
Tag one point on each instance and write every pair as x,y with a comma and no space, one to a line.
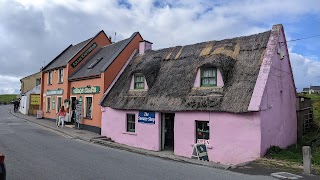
200,152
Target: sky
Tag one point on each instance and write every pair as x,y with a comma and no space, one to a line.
33,32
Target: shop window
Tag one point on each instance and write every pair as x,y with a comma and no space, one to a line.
138,81
208,77
50,77
88,104
59,103
131,120
48,104
202,131
60,76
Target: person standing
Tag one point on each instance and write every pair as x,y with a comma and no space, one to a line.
61,115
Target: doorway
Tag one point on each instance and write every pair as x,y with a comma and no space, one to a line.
167,131
73,109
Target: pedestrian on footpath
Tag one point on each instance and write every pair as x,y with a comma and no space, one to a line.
61,115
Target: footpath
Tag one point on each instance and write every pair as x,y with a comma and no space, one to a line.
92,137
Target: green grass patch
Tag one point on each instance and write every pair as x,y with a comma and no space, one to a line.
315,100
7,98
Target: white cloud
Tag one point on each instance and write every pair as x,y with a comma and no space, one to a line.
41,29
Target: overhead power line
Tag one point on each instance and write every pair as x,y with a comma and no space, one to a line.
304,38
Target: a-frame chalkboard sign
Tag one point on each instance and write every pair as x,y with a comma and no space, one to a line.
200,152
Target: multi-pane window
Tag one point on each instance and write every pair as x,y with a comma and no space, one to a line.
89,107
209,77
50,77
202,130
138,81
60,75
48,104
131,127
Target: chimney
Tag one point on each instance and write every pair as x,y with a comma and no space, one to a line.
144,46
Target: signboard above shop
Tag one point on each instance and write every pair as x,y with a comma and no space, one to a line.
86,90
54,92
147,117
84,55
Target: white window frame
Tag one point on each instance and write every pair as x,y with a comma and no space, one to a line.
60,80
57,103
48,108
49,78
85,106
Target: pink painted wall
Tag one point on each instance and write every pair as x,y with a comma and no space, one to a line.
234,138
278,113
219,79
113,125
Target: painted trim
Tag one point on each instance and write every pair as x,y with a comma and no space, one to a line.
271,50
85,107
118,75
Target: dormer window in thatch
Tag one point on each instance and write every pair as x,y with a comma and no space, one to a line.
138,81
208,77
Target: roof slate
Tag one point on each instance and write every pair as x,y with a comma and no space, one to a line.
170,74
109,53
65,56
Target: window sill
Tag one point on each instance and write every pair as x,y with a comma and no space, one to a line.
207,145
60,82
49,84
138,90
129,133
47,111
87,118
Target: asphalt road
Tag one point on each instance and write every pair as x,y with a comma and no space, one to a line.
33,152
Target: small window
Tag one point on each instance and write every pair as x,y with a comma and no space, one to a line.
60,75
131,127
50,77
202,130
48,104
89,107
138,81
38,81
208,77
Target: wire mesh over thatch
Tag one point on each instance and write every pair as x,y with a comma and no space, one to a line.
170,74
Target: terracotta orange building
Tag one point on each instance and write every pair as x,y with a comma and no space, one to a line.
78,77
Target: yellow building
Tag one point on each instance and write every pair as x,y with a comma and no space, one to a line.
29,82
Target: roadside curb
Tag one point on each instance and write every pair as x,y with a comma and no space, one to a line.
159,155
130,149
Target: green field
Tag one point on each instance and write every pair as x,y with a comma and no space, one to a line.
315,99
7,98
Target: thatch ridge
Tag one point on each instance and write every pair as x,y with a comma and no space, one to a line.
170,74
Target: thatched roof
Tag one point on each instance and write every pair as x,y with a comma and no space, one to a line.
170,74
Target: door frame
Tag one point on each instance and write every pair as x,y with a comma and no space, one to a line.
162,129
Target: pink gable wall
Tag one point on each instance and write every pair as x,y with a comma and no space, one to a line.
278,113
230,135
113,125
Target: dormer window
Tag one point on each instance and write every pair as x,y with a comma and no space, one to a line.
138,81
208,77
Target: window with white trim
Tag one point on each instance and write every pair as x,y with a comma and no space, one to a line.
50,77
88,107
131,122
60,75
48,104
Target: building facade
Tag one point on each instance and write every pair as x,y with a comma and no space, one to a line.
29,82
225,94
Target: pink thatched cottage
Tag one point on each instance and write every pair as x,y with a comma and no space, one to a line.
235,95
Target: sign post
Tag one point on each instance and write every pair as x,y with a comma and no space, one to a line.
200,152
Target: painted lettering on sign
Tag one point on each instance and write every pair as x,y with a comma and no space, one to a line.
86,90
34,99
54,92
84,54
147,117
